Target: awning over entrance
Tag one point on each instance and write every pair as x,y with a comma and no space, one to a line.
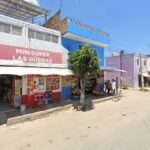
118,70
145,74
32,70
107,68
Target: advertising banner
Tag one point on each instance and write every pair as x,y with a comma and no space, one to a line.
29,56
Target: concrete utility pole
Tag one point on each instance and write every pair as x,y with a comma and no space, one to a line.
141,71
121,59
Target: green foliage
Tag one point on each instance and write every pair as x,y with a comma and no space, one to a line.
84,62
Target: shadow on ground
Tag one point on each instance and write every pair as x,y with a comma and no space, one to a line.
4,116
87,106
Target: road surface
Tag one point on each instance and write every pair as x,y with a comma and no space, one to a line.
121,125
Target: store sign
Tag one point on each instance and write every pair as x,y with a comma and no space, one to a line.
29,56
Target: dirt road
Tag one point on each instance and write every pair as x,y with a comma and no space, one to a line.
121,125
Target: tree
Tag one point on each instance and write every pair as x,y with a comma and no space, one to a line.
84,63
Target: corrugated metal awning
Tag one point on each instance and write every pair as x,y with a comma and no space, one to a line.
20,9
108,68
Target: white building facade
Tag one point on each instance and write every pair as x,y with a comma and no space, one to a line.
32,63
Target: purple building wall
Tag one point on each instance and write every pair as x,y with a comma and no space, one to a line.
130,65
115,63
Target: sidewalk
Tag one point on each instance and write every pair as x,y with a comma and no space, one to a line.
146,89
37,113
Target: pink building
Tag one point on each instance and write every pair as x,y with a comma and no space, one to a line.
131,64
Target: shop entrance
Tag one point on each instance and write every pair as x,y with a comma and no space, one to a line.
146,81
6,89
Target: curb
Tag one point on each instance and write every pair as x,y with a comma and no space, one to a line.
114,98
97,101
46,113
36,115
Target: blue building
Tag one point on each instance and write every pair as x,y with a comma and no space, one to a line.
75,35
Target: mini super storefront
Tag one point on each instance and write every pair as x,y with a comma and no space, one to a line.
31,77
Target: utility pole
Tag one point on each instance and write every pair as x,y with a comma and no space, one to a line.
121,59
141,71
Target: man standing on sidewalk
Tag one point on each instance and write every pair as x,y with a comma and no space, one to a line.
113,86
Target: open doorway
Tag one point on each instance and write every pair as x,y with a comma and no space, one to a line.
146,81
6,90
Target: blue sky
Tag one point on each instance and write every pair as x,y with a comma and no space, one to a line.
128,21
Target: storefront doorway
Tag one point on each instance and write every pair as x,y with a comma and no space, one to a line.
146,81
10,92
6,90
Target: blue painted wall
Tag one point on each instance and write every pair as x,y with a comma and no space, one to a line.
83,32
73,45
66,93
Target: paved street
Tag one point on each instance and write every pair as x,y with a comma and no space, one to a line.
121,125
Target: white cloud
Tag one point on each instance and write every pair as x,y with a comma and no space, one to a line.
35,2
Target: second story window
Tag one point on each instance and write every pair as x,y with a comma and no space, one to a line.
16,30
11,29
6,28
138,61
54,39
39,35
42,36
31,34
144,62
48,37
